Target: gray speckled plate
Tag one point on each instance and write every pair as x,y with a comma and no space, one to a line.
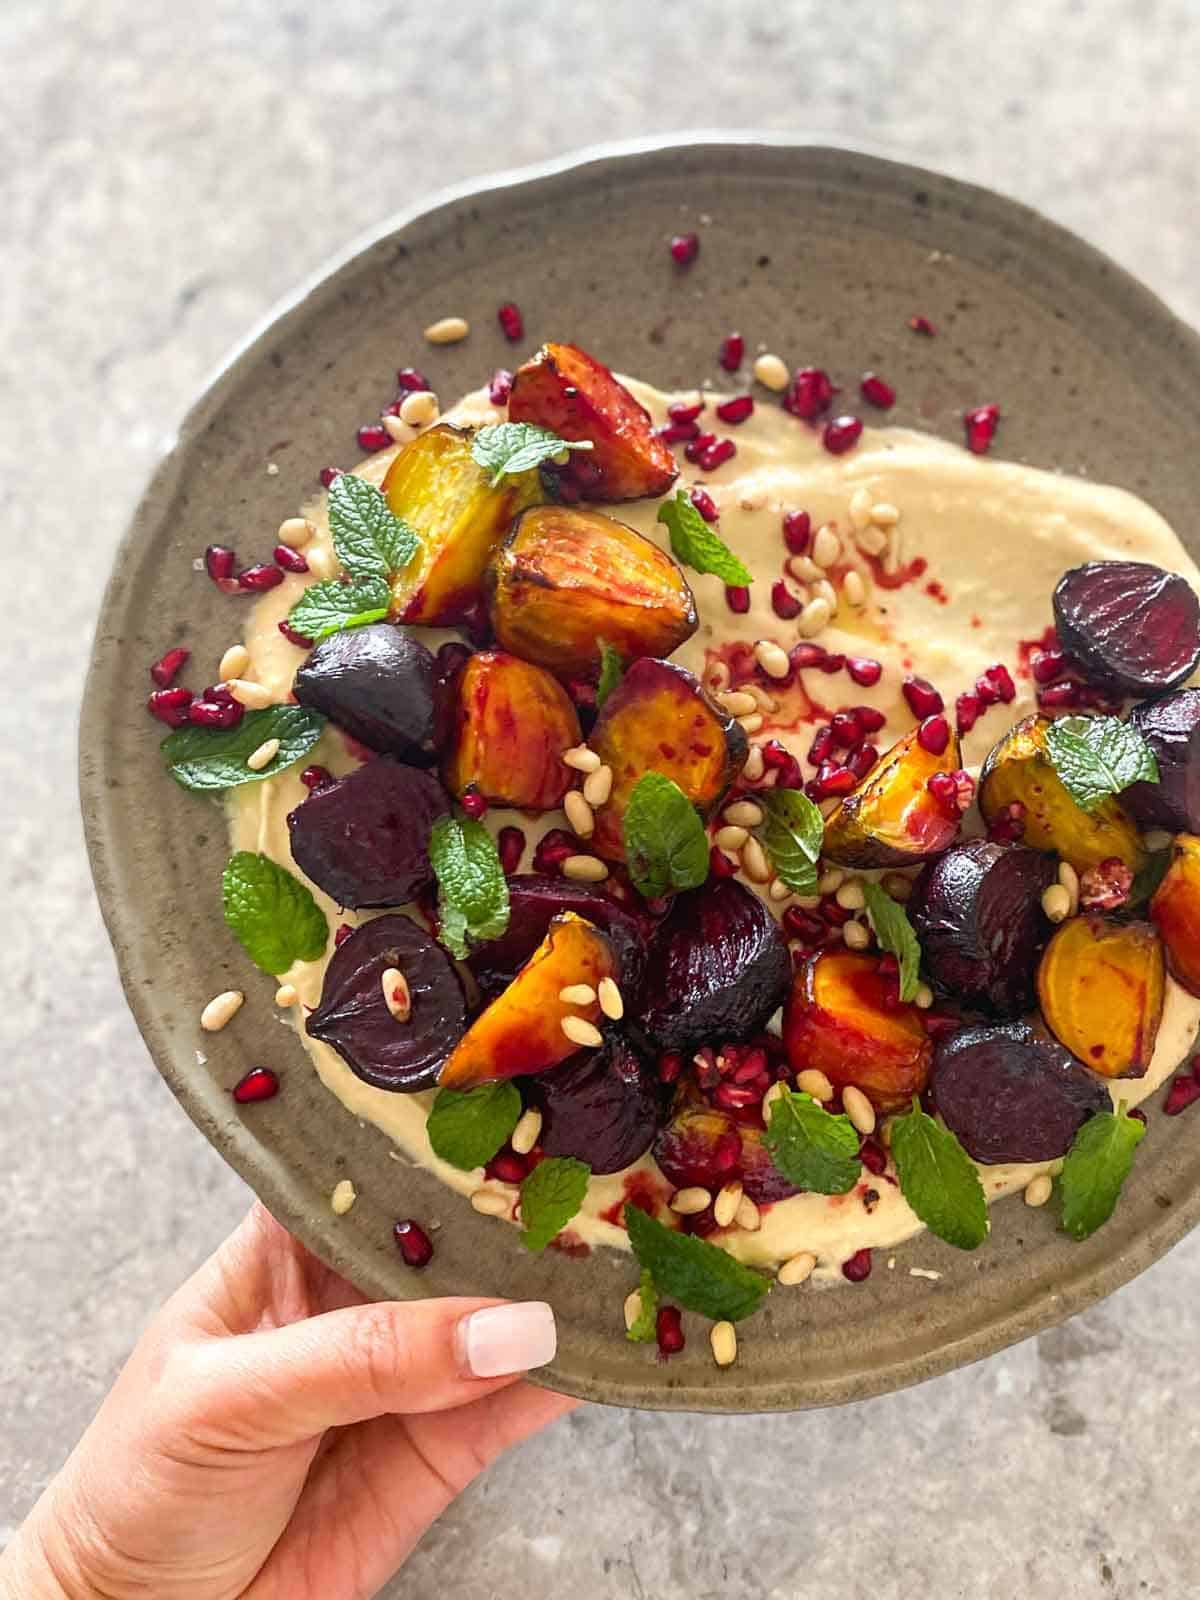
823,254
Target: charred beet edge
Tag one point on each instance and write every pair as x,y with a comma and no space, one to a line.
376,683
354,1018
603,1108
1129,624
534,901
1171,727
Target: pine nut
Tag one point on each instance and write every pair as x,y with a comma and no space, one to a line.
743,814
578,994
296,532
322,563
824,590
851,896
342,1198
579,814
871,541
632,1308
490,1203
831,880
1069,879
772,658
581,1032
581,759
854,590
254,696
808,902
729,1198
730,837
690,1202
859,1109
754,862
897,886
723,1339
892,554
1038,1190
860,510
923,998
1056,903
752,499
221,1010
763,700
612,1002
233,663
753,723
258,759
803,568
527,1131
774,1093
884,514
815,616
779,890
755,765
814,1082
397,430
826,547
856,935
748,1217
738,702
597,786
719,677
797,1269
447,330
419,408
771,371
286,995
584,869
396,994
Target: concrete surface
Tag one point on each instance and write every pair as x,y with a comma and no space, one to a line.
167,173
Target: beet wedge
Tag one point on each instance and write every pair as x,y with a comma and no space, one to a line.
512,725
1101,985
1129,624
892,819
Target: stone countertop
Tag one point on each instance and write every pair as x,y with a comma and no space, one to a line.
162,186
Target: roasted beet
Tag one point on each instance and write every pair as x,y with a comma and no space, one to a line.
365,838
603,1108
718,967
705,1148
1129,624
376,683
893,817
978,914
511,725
533,901
354,1018
1101,985
1012,1093
1171,727
1175,912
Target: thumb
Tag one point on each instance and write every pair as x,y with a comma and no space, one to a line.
276,1387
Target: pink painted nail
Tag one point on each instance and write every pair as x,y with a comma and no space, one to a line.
506,1339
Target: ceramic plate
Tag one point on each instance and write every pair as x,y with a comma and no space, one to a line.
822,254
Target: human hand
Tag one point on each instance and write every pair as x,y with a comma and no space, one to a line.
275,1436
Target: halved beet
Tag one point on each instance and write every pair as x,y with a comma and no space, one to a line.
365,838
603,1108
718,967
354,1018
1012,1093
1129,624
377,683
533,901
978,914
1171,727
701,1147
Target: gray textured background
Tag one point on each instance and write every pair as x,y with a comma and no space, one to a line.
165,177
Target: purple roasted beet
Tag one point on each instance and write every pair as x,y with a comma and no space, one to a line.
718,967
978,914
1171,727
1129,624
701,1147
354,1017
1012,1093
365,838
604,1107
377,683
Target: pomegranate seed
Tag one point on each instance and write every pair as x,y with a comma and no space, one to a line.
168,667
329,476
733,348
873,1157
1008,826
717,455
830,663
219,561
216,713
342,933
512,324
474,804
170,706
1183,1092
500,386
981,426
803,925
846,730
704,504
862,760
870,719
685,410
1106,886
259,578
316,777
290,560
373,436
822,746
841,434
835,780
679,433
832,914
1137,1113
720,865
1059,696
260,1083
797,531
923,326
865,671
668,1330
923,699
737,599
300,640
737,409
552,849
995,686
809,395
876,392
685,247
414,381
510,846
933,735
507,1166
967,711
953,791
858,1267
414,1243
670,1065
1046,665
783,602
731,1098
775,755
699,444
790,777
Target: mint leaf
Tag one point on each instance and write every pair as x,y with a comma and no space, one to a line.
506,448
812,1147
697,1274
611,671
215,758
791,834
326,608
695,544
467,1129
273,916
1148,877
550,1196
370,539
1096,1167
1098,756
472,888
644,1328
895,933
666,847
939,1180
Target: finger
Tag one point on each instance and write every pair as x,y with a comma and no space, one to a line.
280,1386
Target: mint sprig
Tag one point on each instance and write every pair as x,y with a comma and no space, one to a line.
813,1148
215,758
666,847
612,670
332,607
272,914
644,1325
791,833
550,1196
895,934
939,1180
694,543
1098,756
1095,1170
698,1275
505,448
370,539
472,888
468,1128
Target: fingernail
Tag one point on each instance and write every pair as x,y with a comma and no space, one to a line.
505,1339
